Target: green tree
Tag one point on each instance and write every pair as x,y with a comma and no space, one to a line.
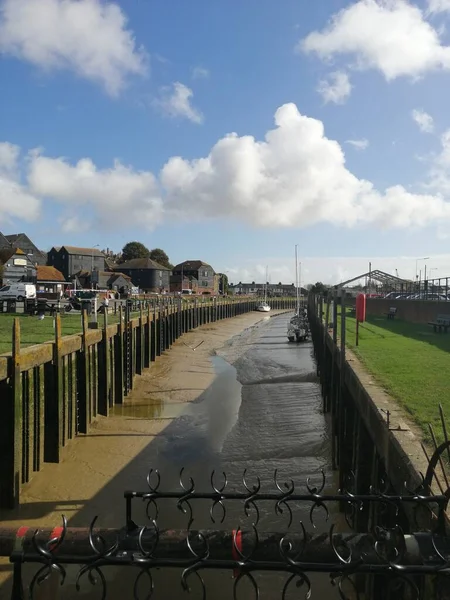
1,271
160,257
319,288
223,283
134,250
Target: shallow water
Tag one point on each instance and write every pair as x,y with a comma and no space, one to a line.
261,413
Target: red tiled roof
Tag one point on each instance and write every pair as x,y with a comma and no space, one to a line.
45,273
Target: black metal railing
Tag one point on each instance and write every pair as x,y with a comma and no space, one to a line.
297,550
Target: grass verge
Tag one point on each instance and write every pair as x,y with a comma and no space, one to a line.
34,331
410,362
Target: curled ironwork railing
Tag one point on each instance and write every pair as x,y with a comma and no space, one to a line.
297,550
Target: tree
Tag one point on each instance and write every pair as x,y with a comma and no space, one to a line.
319,288
223,283
134,250
1,271
160,257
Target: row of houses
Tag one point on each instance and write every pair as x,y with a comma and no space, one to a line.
90,268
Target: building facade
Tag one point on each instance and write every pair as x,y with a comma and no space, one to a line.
71,260
273,289
23,242
49,280
197,274
16,267
147,275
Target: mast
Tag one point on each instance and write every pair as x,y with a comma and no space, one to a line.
296,280
265,287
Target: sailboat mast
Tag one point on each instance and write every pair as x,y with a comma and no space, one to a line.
265,287
296,279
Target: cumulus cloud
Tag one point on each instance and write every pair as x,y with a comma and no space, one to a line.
439,176
391,36
438,6
89,37
424,120
200,73
115,196
358,144
175,102
336,88
15,200
294,178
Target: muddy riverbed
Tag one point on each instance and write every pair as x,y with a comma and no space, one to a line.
244,399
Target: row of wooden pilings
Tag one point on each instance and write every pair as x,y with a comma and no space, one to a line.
354,448
358,434
52,392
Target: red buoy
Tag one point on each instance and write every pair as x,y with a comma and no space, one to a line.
361,308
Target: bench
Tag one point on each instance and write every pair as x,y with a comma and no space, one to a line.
392,312
442,323
41,306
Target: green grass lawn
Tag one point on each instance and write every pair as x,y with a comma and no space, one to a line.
34,331
411,363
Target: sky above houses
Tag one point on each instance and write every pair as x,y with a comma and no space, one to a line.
230,131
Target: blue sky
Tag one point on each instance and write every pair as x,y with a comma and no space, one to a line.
126,86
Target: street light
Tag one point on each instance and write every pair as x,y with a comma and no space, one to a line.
92,264
417,260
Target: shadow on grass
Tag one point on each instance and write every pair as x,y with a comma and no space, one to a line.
421,332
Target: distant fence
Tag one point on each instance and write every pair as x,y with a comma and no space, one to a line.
51,392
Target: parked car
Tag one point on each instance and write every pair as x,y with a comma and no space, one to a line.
18,291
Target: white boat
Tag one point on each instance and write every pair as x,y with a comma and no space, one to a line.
264,306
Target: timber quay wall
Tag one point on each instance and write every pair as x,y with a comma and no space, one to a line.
367,452
52,392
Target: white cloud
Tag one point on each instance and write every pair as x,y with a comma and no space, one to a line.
89,37
200,73
438,6
391,36
295,178
15,200
358,144
176,102
439,176
113,196
424,120
336,88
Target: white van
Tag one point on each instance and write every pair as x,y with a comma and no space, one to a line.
18,291
186,292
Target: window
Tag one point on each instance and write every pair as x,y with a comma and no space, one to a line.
205,273
5,288
205,284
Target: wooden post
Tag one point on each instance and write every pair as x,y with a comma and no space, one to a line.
11,441
104,386
83,379
54,408
148,339
118,361
357,331
140,343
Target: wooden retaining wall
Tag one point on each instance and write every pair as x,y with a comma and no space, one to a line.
52,392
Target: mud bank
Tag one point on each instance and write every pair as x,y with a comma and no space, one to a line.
115,451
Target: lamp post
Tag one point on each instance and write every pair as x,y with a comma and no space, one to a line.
417,261
92,264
